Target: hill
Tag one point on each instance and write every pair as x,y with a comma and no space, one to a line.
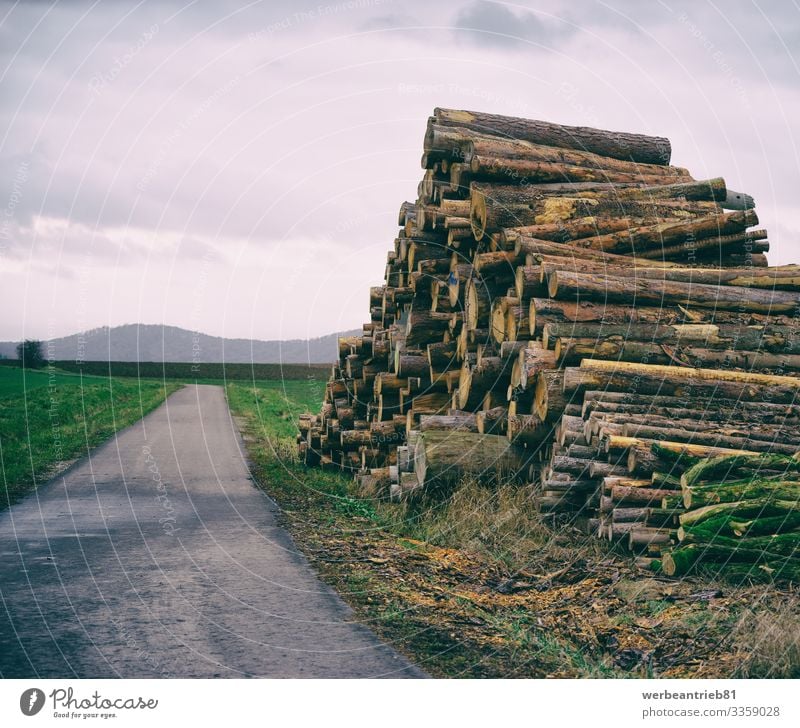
157,343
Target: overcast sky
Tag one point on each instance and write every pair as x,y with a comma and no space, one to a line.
237,168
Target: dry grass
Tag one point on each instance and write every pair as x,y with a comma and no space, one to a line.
768,641
499,522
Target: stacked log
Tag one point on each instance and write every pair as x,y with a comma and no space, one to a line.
564,308
641,426
741,519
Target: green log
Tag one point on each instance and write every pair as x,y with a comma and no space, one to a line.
748,479
712,466
766,526
672,502
751,573
680,461
681,561
745,509
736,527
665,480
699,496
779,545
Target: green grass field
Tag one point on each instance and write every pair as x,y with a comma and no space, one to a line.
49,418
15,381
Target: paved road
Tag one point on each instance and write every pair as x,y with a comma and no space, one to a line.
157,556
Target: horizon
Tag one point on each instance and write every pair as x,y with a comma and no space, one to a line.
256,195
173,326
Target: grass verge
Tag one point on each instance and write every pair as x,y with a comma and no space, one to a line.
48,419
476,585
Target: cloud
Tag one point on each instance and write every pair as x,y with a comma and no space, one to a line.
494,24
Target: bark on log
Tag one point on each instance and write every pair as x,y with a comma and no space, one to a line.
478,304
501,263
633,147
446,457
529,282
487,156
494,207
410,365
493,421
711,248
577,379
464,422
518,325
771,338
563,233
525,171
549,397
441,354
578,286
528,430
544,311
570,351
640,239
532,360
699,496
681,373
713,467
497,321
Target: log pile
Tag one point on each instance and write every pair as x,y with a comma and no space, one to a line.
641,426
563,307
741,518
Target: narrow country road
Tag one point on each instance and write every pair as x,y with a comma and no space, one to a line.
157,556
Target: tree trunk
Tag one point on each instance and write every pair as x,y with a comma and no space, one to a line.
638,496
699,496
530,170
736,528
493,421
483,154
633,147
710,248
500,306
529,282
497,264
544,311
549,399
493,207
441,354
668,372
528,430
532,360
580,286
411,365
464,422
446,457
478,303
639,239
641,537
712,336
758,463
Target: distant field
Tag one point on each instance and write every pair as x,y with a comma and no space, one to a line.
187,371
14,380
50,418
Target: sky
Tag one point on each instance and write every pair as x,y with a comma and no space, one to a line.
237,168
